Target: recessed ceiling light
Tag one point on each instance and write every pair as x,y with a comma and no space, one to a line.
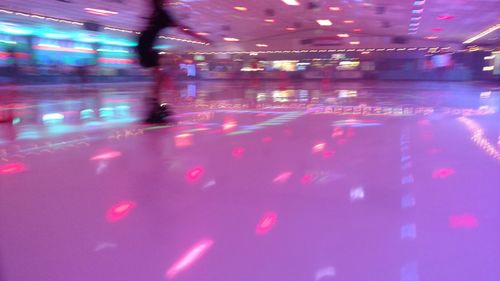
202,33
269,20
262,45
348,21
324,22
291,2
354,43
230,39
343,35
240,8
291,28
335,9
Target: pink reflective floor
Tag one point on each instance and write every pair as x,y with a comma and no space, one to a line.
345,181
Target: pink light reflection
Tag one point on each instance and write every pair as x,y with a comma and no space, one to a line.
189,257
183,140
266,223
463,221
283,177
238,152
306,179
194,174
443,173
119,211
319,147
267,139
327,153
106,156
12,168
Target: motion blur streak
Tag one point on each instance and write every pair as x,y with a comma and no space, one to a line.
266,223
191,256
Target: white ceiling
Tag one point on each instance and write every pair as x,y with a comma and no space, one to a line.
470,18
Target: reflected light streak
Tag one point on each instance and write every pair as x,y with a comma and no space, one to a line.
12,168
119,211
266,223
319,147
282,178
183,140
106,156
478,137
191,256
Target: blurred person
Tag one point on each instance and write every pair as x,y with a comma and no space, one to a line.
149,58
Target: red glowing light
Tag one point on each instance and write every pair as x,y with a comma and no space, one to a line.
283,177
267,139
306,179
463,221
266,223
119,211
238,152
327,154
106,156
443,173
446,17
191,256
12,168
437,29
195,174
357,30
319,147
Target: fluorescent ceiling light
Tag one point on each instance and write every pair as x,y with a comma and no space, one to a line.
291,2
324,22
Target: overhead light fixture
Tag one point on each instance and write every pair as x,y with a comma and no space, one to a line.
269,20
291,2
262,45
324,22
343,35
354,42
417,11
100,12
482,34
291,28
335,9
240,8
419,2
202,33
431,37
414,24
230,39
348,21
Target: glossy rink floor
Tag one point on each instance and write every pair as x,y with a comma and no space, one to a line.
270,181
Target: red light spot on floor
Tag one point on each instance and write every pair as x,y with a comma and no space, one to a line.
463,221
267,139
195,174
424,122
327,154
266,223
238,152
443,173
12,168
306,179
341,141
189,257
119,211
